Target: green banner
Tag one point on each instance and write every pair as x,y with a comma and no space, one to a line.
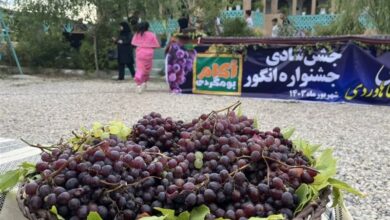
219,74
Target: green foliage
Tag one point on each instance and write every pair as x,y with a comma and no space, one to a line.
271,217
304,146
325,164
99,132
54,211
197,213
9,179
94,216
288,133
350,17
236,27
346,23
87,55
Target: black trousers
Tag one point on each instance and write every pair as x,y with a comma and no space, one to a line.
121,68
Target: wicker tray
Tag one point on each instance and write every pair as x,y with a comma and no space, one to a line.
312,211
42,214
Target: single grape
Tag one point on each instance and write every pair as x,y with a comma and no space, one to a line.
71,183
74,204
277,183
239,178
190,200
209,196
31,188
102,210
99,155
249,209
306,177
35,202
63,198
44,190
82,212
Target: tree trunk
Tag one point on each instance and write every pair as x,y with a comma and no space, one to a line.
95,51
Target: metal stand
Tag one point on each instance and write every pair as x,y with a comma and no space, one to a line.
5,35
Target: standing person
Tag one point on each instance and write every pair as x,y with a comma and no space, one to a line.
145,41
286,29
134,21
248,18
125,51
183,22
275,28
218,26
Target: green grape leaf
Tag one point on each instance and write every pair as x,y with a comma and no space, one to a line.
184,216
337,184
95,126
105,135
288,133
55,212
305,194
28,168
153,218
239,111
199,213
124,133
168,213
97,133
84,130
198,163
114,129
9,179
94,216
326,165
199,155
271,217
220,218
306,148
337,197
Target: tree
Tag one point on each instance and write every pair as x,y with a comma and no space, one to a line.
356,15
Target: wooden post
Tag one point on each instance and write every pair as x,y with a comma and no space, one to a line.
333,6
294,7
264,6
247,5
274,6
313,6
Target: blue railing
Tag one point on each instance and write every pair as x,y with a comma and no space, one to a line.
171,26
308,22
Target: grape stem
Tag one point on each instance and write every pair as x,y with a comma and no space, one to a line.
289,166
55,173
268,169
160,154
232,107
39,146
239,169
119,186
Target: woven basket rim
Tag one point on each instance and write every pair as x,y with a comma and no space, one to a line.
311,211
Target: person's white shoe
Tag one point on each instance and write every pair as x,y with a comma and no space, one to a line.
139,89
144,86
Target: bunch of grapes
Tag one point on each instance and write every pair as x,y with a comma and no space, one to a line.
180,63
153,130
220,160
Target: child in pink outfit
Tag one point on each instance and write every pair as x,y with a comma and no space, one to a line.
145,41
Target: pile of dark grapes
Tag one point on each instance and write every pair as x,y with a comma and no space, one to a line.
220,160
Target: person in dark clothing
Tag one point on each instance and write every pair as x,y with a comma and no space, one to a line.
125,50
183,22
134,20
